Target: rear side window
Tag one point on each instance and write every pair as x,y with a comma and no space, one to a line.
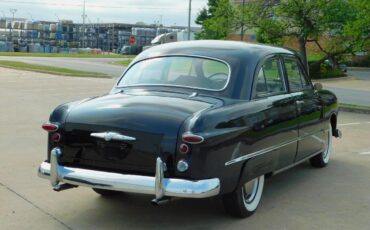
270,79
296,78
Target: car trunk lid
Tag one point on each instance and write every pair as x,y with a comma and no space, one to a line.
152,120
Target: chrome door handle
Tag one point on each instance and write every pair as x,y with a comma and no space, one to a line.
298,102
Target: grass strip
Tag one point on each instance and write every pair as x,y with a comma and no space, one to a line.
354,106
312,57
80,55
50,69
124,62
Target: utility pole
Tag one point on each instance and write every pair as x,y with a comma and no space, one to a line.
12,11
242,27
160,19
83,23
189,20
5,24
98,33
112,37
32,22
30,16
57,17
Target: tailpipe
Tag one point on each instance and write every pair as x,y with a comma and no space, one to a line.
337,133
62,187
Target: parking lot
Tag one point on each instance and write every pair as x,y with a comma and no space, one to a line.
336,197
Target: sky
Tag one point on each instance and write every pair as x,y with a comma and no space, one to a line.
171,12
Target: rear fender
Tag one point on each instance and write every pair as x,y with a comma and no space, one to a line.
257,166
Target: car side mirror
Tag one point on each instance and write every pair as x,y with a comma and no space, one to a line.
317,86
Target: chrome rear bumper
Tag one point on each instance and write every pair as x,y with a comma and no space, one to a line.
158,185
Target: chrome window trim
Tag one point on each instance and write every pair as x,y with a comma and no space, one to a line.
179,86
302,72
270,149
282,75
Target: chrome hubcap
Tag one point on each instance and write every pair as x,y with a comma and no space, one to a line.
250,190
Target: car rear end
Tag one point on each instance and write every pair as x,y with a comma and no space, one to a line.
123,143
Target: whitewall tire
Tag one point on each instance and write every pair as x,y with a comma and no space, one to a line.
244,201
322,159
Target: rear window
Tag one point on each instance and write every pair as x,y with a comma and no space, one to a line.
189,72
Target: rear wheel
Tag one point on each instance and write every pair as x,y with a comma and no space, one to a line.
244,201
107,193
322,159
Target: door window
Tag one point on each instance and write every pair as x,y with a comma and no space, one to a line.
296,78
270,79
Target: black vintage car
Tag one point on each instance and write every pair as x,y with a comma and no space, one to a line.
194,120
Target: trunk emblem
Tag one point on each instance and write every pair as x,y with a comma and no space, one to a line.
108,136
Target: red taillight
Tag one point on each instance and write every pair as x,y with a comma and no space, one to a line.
56,137
184,148
50,127
192,138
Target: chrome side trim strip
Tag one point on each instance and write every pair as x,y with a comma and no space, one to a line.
157,185
271,148
260,152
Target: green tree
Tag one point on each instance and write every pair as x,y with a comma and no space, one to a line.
300,19
217,20
341,21
347,29
207,12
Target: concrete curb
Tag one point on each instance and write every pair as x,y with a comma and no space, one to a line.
358,68
354,110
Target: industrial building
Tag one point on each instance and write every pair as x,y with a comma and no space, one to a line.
22,35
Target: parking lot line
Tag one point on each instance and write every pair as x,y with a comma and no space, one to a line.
354,123
365,153
346,124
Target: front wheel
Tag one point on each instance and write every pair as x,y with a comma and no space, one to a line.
322,159
244,201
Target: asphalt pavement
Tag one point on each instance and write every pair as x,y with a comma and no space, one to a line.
353,95
354,89
335,197
359,73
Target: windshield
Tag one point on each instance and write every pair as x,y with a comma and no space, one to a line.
190,72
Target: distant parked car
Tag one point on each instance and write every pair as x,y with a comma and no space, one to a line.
194,120
342,67
131,49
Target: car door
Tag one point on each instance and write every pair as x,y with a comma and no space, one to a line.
309,108
276,124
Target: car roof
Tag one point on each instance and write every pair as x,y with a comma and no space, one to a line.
224,50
